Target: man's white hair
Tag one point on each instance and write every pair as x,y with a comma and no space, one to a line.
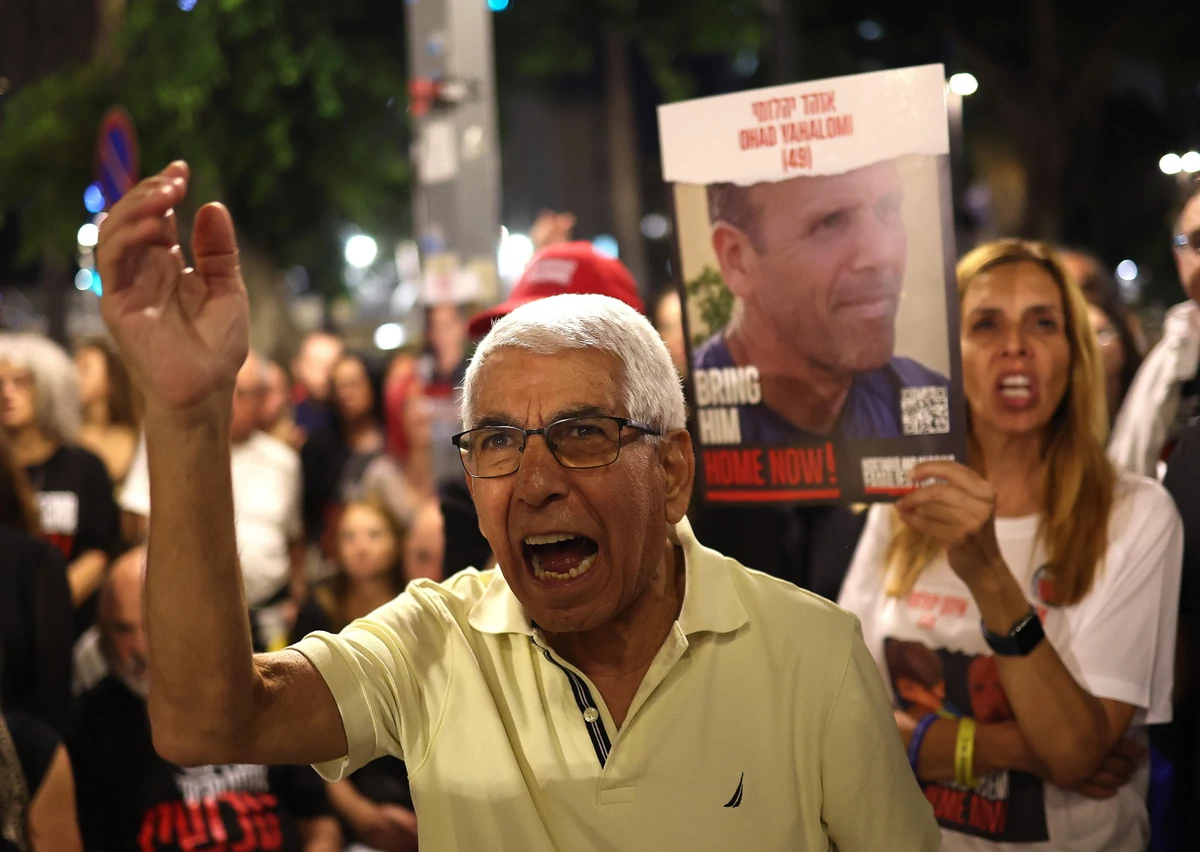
55,381
653,391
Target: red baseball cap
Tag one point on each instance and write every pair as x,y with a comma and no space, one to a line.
564,268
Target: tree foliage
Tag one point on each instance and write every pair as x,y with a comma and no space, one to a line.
548,41
291,113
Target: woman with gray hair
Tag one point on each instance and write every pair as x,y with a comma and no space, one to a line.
39,412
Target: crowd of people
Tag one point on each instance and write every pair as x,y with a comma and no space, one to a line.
347,485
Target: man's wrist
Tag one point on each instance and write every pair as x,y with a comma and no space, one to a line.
215,410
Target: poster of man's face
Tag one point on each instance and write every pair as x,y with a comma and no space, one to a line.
818,260
814,234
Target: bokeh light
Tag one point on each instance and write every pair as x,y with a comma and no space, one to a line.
88,235
964,84
389,336
93,198
361,251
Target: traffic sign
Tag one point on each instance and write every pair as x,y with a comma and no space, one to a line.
116,155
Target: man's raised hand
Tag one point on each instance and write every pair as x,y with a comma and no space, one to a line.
183,332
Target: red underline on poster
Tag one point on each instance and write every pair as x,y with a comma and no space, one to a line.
781,495
890,492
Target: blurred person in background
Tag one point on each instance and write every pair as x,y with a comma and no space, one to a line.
400,383
441,373
1165,395
425,546
348,460
375,804
275,411
311,369
1053,544
1181,740
35,605
130,798
112,407
1118,353
1118,330
551,228
267,494
668,319
37,791
39,410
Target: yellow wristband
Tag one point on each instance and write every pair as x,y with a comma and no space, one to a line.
964,753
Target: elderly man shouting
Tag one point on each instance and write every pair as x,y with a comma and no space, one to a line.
612,685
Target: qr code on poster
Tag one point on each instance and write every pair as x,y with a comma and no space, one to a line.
925,411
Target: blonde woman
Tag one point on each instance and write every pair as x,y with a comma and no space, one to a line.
1044,582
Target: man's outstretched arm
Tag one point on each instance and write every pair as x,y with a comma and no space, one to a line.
184,334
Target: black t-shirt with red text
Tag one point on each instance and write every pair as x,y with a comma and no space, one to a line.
129,798
77,509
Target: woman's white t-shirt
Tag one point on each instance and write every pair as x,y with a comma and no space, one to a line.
1119,643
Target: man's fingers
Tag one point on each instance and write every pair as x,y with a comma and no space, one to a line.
152,197
178,168
170,229
214,244
120,245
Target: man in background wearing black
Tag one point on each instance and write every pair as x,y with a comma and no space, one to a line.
130,798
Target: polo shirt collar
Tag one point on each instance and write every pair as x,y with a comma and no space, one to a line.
710,601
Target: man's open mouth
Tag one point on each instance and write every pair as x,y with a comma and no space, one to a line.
559,556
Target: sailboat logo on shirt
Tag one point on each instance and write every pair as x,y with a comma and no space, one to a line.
736,801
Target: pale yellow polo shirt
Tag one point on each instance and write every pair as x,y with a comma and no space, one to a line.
761,725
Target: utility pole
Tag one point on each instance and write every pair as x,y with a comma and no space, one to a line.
456,195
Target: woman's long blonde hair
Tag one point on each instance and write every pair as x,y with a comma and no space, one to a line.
1079,482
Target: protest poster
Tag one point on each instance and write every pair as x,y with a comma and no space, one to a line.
815,248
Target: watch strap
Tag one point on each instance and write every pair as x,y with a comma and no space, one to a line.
1020,641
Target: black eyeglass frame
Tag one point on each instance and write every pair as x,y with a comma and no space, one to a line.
622,422
1183,241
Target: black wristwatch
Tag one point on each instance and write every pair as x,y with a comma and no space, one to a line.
1020,641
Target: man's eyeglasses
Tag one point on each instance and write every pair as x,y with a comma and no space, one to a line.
579,443
1191,241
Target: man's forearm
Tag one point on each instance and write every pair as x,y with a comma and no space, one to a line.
203,681
86,574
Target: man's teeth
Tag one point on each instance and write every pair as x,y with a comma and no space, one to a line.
549,538
579,569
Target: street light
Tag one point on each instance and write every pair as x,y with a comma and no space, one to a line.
361,251
389,336
88,235
964,84
1171,164
1127,270
1190,162
515,253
